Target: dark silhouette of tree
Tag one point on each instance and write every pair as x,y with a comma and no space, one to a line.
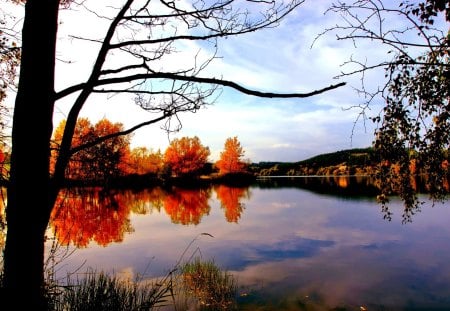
146,34
414,125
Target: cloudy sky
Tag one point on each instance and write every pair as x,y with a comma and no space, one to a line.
280,59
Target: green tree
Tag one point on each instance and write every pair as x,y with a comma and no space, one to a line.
413,129
146,39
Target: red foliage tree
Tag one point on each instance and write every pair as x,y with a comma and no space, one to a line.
186,156
99,161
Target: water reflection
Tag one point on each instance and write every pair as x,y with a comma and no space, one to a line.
349,186
292,244
85,215
102,216
187,206
231,201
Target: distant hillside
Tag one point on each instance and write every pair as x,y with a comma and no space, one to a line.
357,156
351,161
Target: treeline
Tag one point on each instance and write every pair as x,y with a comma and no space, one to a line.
357,161
101,154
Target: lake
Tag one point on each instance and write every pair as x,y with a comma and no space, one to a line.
291,243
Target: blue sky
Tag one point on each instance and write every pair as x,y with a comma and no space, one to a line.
279,59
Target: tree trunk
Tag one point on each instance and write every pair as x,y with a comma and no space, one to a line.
30,194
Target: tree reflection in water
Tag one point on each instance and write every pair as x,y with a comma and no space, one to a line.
230,200
187,206
84,215
103,216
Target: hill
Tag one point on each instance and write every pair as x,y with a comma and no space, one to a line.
344,162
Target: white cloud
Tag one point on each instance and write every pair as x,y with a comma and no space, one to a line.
279,59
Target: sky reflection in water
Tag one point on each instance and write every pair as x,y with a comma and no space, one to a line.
300,246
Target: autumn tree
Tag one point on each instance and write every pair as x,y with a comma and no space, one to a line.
135,54
98,162
186,156
414,125
141,160
231,157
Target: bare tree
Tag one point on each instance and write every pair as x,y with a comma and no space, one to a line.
9,61
413,129
147,32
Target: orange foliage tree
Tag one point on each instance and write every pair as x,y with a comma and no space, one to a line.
231,157
96,162
186,156
140,161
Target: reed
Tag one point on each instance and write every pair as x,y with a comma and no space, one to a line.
214,288
101,291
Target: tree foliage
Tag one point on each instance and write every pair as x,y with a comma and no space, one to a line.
231,157
414,124
186,155
97,161
141,160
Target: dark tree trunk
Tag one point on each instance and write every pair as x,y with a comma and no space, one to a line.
30,193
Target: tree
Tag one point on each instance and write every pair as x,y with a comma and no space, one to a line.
99,162
186,156
414,125
9,61
141,161
231,157
145,35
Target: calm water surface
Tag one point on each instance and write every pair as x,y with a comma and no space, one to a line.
290,248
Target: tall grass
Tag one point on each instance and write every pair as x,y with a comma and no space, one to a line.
101,291
192,284
196,285
213,288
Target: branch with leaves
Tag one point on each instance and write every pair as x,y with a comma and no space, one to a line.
413,129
